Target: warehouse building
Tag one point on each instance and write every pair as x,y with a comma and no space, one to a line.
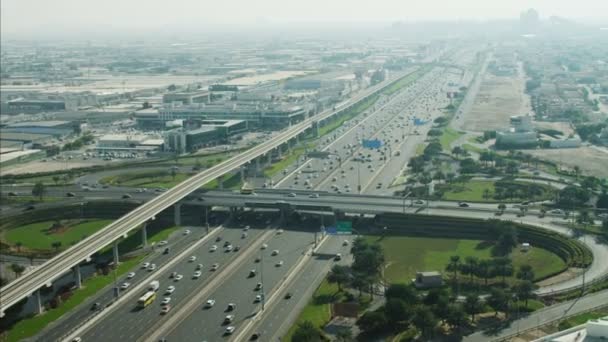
54,128
256,115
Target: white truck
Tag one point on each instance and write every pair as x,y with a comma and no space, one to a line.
154,285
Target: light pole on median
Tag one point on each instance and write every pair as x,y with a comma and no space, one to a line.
262,280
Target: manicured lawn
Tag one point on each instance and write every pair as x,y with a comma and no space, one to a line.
30,199
470,191
472,148
407,255
406,80
583,318
31,326
473,191
36,236
420,149
163,234
448,136
318,309
288,160
356,110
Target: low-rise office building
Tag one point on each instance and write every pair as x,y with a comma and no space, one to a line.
266,115
54,128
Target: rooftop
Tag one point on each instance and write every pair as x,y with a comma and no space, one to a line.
51,123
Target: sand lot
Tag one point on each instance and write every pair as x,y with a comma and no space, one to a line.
592,161
563,127
498,99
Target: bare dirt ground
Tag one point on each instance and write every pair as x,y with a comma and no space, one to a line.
51,165
498,99
563,127
592,161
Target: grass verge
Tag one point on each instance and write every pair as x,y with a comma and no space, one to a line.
31,326
39,235
407,255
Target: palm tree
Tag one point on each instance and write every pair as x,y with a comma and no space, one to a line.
18,269
472,305
39,190
502,207
525,272
454,267
471,264
340,275
56,245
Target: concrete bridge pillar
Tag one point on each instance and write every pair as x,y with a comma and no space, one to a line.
39,306
177,214
269,159
77,276
242,172
257,166
280,151
220,182
116,256
144,235
315,129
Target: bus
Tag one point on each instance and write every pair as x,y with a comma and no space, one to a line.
146,299
246,189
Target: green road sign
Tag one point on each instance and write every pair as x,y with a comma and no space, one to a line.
344,227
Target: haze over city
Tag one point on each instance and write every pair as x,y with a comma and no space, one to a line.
54,18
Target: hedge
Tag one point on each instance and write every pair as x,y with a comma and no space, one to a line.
574,253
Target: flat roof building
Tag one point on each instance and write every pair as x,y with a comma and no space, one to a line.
267,115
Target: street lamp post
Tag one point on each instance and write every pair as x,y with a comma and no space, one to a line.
359,177
262,280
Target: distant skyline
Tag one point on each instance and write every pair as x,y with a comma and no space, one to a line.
47,17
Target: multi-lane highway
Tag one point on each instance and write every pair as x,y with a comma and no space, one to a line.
350,167
32,281
77,316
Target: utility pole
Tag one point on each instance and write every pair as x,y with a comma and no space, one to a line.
206,220
262,280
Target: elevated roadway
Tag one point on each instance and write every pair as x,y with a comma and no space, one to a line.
65,261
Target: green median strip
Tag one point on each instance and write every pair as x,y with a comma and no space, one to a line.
30,326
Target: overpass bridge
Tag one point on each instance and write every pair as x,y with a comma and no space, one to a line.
69,260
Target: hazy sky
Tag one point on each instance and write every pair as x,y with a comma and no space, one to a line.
44,16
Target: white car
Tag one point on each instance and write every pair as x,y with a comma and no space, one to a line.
124,286
246,228
264,246
275,252
345,243
196,275
210,303
213,248
179,277
214,267
280,231
170,289
187,231
228,319
229,330
279,264
166,300
130,275
258,298
163,242
145,265
192,258
152,267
